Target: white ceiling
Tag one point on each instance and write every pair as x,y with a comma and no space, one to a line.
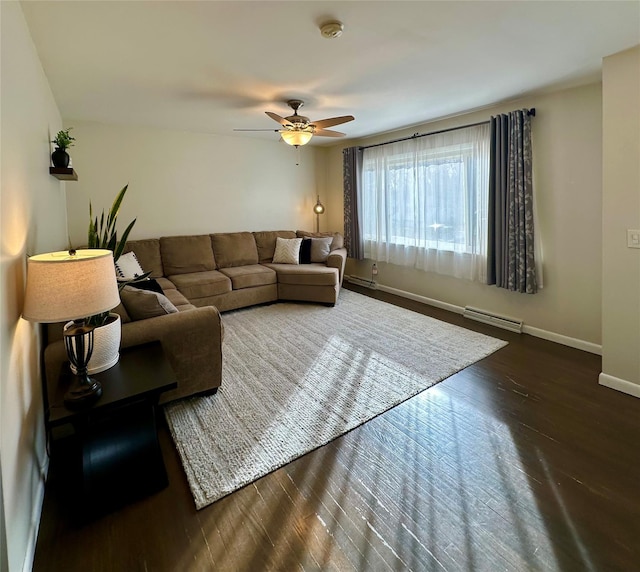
213,66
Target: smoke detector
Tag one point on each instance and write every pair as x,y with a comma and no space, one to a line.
331,30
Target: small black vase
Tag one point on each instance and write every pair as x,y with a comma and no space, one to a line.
60,158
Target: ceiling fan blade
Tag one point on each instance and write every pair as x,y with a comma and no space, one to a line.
276,117
333,121
272,130
328,133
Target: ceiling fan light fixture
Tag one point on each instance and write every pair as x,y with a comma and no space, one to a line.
296,138
297,130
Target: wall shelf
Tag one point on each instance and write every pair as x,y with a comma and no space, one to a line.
63,173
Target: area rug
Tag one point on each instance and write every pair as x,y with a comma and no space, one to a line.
296,376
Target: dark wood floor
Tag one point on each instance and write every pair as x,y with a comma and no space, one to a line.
519,462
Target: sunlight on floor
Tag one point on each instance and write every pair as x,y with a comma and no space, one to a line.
489,505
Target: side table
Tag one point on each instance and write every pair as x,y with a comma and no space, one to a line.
116,447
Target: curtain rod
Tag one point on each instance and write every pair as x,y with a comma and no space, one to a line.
531,112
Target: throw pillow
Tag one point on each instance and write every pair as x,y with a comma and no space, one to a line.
287,250
338,239
142,304
128,267
320,249
147,284
305,251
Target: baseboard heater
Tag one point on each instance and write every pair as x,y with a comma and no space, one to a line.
361,281
511,324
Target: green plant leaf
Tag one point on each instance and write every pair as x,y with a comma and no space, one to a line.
97,320
64,139
113,240
92,241
123,240
115,207
102,233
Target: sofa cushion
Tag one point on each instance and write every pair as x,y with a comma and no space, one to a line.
266,242
166,284
287,251
234,249
337,242
305,274
201,284
176,298
250,276
143,304
320,248
148,255
186,254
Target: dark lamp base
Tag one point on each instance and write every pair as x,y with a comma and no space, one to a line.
78,340
83,392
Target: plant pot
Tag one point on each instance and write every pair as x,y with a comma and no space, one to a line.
106,345
60,158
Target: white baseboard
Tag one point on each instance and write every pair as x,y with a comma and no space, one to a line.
423,299
619,384
564,340
34,527
536,332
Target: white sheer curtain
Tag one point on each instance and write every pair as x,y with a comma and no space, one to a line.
424,202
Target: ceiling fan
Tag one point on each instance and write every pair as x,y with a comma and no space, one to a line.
298,130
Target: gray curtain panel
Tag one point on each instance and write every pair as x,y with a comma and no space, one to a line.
510,248
352,173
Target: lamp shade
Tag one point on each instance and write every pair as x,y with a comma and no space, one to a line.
296,137
63,286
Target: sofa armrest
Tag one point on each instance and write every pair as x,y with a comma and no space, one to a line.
337,259
191,340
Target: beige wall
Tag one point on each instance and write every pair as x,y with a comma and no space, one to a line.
567,135
621,211
188,183
33,220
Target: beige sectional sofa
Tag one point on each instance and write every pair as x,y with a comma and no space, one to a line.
203,275
234,270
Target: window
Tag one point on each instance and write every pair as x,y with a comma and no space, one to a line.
424,202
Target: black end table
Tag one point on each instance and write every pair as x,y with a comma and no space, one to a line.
117,455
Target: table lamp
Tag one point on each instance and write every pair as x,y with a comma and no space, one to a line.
72,285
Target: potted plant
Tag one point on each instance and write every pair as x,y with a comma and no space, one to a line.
62,141
104,235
